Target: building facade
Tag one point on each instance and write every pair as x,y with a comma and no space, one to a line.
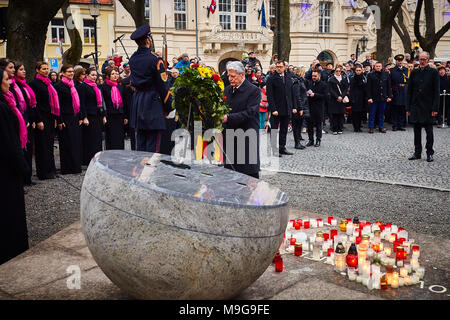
58,38
328,30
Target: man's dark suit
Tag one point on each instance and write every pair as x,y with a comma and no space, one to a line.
281,98
244,104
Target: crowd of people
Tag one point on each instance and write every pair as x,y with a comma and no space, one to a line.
82,107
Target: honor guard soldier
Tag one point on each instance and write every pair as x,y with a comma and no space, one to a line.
399,80
152,97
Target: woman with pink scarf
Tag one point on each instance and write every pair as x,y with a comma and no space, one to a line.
13,169
47,112
115,115
93,115
29,101
69,126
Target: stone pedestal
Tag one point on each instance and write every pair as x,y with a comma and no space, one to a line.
160,230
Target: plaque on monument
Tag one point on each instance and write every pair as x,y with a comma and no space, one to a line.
164,230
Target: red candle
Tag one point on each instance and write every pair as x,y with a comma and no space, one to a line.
326,236
388,225
348,220
329,220
352,260
277,257
306,224
396,244
299,221
358,240
400,255
293,241
401,240
361,225
400,229
297,226
279,265
368,224
298,249
381,227
333,233
293,222
330,251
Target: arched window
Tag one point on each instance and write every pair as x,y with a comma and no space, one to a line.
325,57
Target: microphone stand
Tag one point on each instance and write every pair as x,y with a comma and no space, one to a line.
123,47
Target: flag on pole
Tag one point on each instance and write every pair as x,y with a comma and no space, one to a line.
263,14
212,6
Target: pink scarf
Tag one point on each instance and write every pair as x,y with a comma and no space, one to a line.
115,94
52,94
31,96
22,102
73,93
98,94
23,133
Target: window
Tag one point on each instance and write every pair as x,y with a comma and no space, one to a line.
225,14
272,14
89,31
147,9
240,9
57,31
325,17
180,14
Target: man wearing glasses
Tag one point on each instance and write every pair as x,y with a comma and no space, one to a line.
423,104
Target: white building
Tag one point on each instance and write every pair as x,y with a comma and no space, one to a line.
329,30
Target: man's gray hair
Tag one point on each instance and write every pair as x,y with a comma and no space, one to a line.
236,66
425,52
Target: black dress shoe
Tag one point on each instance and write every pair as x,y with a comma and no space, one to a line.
317,143
310,143
415,157
299,146
401,129
430,158
285,151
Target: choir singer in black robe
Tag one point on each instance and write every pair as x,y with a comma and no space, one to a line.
13,169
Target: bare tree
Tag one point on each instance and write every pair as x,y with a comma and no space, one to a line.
429,42
285,32
388,11
403,32
73,54
28,22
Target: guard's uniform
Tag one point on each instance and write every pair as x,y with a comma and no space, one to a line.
399,82
152,96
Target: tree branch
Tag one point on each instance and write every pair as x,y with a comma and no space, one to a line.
417,21
129,5
395,8
441,32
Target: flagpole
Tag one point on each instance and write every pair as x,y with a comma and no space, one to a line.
196,30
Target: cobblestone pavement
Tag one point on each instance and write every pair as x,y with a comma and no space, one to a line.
377,157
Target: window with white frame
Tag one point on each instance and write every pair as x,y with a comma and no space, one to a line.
325,17
240,9
57,31
147,9
89,31
180,14
225,14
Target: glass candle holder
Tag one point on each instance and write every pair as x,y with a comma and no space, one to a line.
329,252
415,251
334,222
403,272
387,252
339,258
383,283
292,223
330,219
319,223
292,241
297,226
306,224
343,225
326,236
351,272
349,228
298,249
279,265
277,257
333,233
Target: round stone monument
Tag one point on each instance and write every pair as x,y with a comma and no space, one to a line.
164,230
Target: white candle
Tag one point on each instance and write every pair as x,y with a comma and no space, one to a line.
365,280
401,282
366,268
416,254
376,270
391,238
406,245
320,223
376,281
408,267
350,228
387,251
403,272
359,279
313,223
333,222
351,274
394,228
395,280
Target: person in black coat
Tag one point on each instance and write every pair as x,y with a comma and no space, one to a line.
281,97
243,98
299,85
69,124
93,115
30,115
115,111
45,124
338,90
422,104
444,85
13,169
357,96
317,96
379,92
128,93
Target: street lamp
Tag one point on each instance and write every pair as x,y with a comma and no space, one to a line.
416,45
363,42
94,9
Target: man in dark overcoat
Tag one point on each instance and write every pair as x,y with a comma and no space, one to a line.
152,97
282,103
422,104
243,98
317,95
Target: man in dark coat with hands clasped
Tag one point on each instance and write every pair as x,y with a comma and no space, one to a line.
423,104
